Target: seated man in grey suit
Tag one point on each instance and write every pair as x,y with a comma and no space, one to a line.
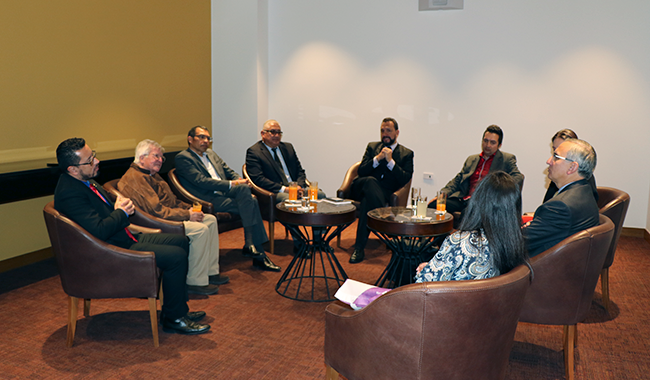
273,164
207,176
573,208
460,189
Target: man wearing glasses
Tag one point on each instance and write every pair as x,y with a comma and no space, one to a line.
460,189
149,191
84,201
573,208
204,174
273,164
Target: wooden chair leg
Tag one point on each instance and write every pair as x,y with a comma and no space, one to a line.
272,236
87,307
331,374
570,332
160,294
153,315
73,303
604,284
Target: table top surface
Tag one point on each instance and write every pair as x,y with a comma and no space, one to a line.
399,221
320,214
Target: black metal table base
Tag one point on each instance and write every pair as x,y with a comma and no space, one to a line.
314,274
408,253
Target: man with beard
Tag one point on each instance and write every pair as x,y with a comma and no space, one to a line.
84,201
460,189
386,167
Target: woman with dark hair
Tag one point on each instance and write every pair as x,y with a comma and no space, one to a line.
489,241
558,138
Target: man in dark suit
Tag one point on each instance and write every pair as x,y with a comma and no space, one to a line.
573,208
460,189
81,199
386,167
273,164
204,174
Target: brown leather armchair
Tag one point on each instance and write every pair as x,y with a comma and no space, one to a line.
90,268
565,278
613,203
267,201
144,219
226,220
436,330
398,198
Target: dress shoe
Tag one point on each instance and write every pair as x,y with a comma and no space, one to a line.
206,290
266,264
357,256
217,279
252,252
193,316
184,325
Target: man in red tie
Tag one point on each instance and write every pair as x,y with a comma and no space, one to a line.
84,201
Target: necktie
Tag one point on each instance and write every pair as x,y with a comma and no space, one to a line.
275,156
94,189
277,159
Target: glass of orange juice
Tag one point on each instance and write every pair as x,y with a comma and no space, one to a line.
197,207
313,191
293,191
441,202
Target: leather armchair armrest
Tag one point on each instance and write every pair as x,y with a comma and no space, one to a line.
167,226
145,230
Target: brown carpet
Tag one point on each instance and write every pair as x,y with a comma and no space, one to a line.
257,334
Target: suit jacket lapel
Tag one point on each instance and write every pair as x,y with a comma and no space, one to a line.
285,156
212,157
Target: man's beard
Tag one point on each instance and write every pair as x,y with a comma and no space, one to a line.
89,177
389,143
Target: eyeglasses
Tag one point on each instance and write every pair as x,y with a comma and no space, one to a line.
558,157
274,132
158,157
203,137
91,161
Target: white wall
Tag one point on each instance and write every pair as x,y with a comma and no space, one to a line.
336,68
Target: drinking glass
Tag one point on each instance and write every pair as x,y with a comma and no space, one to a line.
441,203
197,207
293,191
313,191
422,207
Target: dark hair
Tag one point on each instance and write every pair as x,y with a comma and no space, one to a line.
390,119
496,130
565,134
495,207
192,132
66,152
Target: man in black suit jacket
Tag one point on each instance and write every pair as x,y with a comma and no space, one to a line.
273,164
386,167
204,174
460,189
573,208
81,199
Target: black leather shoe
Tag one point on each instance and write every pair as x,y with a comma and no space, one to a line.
218,279
266,264
357,256
252,252
193,316
184,325
206,290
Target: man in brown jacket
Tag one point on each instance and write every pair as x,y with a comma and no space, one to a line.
152,194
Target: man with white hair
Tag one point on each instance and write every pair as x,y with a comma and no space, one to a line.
152,194
573,208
